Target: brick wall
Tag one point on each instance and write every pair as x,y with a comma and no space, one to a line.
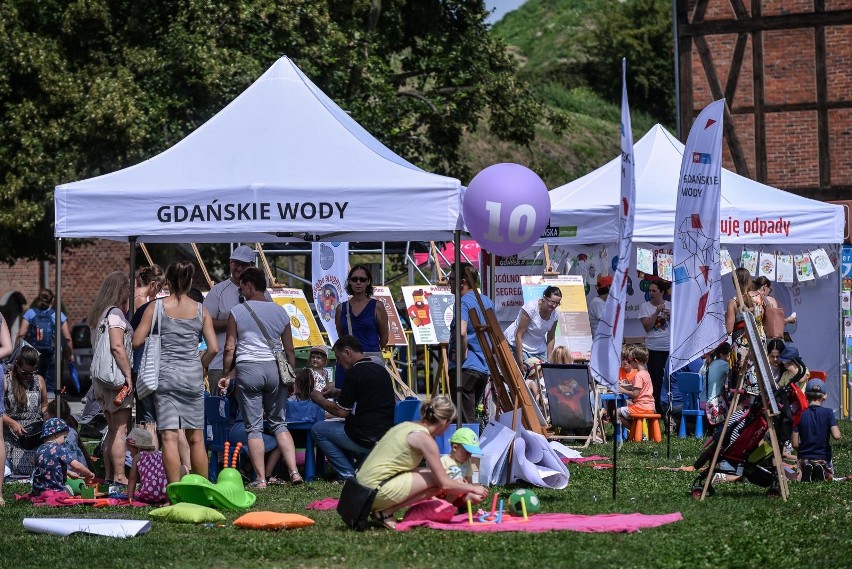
83,269
790,78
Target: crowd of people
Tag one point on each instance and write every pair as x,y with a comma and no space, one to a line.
231,342
225,343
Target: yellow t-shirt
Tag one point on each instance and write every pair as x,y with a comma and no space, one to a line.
391,456
456,470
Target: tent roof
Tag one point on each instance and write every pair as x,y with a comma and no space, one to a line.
282,143
762,214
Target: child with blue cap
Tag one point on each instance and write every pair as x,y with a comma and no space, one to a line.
811,435
53,463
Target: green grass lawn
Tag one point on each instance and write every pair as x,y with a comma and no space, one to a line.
738,527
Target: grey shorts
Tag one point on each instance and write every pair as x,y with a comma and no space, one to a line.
261,396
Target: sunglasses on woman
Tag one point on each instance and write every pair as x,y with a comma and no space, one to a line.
358,279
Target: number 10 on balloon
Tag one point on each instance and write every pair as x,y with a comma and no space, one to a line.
523,214
506,208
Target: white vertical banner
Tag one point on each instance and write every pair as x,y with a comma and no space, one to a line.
606,345
329,266
698,311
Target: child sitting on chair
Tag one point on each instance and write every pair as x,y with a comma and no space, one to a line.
53,463
640,391
810,437
464,444
147,469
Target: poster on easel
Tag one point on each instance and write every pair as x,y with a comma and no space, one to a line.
396,334
304,327
430,312
573,329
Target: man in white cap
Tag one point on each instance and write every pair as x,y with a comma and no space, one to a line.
222,298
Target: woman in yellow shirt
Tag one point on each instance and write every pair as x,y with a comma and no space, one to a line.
393,465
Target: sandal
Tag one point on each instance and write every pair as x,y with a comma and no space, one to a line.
275,481
296,478
387,521
258,484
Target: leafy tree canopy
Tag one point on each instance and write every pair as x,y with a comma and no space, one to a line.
91,86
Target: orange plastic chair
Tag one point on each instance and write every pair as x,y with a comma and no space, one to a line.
653,425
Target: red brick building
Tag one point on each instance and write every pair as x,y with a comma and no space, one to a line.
784,68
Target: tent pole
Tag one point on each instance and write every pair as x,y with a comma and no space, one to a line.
458,308
132,301
383,263
58,325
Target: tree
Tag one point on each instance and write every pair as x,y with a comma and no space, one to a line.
641,31
92,86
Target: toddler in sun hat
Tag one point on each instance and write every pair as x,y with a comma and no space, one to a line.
147,469
317,362
464,444
53,462
811,435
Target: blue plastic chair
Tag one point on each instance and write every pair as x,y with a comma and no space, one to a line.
406,410
620,401
689,384
216,415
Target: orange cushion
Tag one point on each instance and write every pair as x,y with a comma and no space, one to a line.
272,520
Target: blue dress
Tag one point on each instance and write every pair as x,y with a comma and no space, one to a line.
364,325
364,328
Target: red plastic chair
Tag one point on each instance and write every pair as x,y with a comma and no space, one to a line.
816,374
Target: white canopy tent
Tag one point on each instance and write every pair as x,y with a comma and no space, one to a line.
753,216
280,162
590,204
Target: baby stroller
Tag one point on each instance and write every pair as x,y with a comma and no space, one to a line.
744,452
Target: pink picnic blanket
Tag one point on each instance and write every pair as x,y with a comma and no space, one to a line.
616,523
582,459
324,504
58,498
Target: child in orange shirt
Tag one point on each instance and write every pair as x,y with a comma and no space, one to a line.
640,391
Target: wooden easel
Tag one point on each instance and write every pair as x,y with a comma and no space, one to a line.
757,354
400,388
549,268
273,282
202,265
503,367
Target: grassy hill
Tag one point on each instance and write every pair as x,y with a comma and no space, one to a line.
549,39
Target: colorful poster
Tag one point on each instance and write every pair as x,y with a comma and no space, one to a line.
605,356
396,334
846,268
302,323
804,269
429,325
329,266
645,261
664,266
441,307
822,264
784,268
727,262
766,266
748,261
698,311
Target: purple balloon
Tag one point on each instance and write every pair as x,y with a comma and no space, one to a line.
506,208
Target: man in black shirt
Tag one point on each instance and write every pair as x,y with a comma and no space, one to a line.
366,403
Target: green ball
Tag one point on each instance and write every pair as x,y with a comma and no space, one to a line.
526,496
